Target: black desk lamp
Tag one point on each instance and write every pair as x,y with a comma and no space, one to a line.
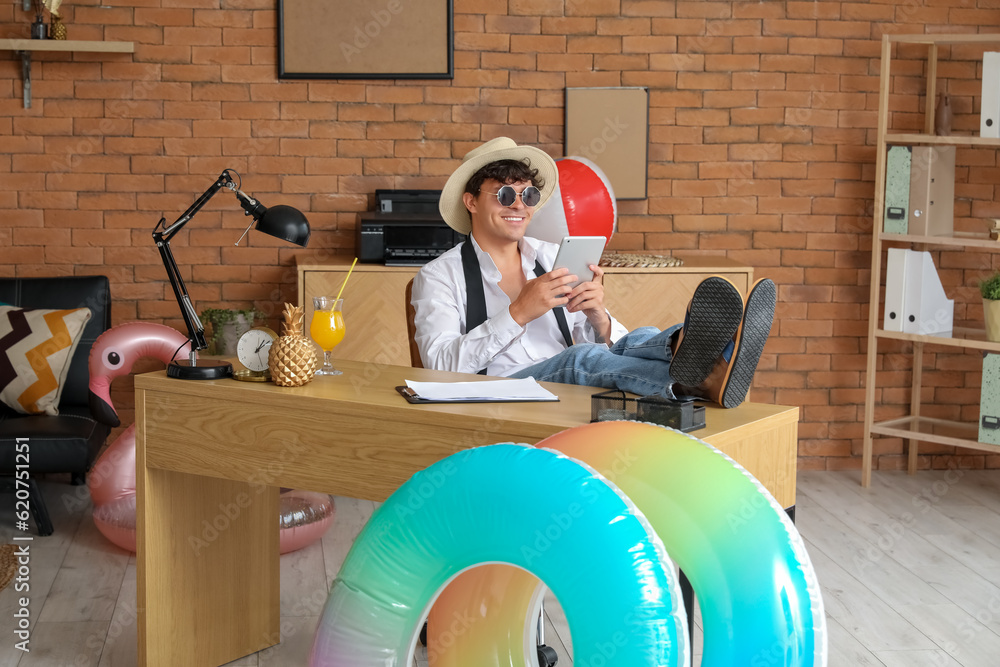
283,222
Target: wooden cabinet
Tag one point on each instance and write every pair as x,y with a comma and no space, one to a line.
374,313
659,297
914,427
374,308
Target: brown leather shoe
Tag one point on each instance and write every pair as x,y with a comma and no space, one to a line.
733,383
712,320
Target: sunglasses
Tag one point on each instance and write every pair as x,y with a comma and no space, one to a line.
507,195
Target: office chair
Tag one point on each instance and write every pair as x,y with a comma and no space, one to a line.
547,657
411,327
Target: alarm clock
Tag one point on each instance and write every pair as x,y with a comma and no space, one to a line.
253,347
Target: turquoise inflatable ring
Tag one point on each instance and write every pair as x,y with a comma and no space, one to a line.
473,508
589,512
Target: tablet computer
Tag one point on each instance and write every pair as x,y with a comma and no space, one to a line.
577,253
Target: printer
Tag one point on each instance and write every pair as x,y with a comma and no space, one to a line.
405,229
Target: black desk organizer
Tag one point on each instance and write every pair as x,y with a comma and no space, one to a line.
683,415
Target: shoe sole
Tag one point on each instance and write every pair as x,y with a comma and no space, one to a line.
758,315
713,319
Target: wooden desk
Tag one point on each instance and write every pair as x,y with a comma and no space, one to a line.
211,455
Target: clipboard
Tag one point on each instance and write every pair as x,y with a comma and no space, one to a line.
412,397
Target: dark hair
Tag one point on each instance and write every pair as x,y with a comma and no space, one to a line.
505,171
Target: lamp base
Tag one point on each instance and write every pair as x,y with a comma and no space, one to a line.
207,369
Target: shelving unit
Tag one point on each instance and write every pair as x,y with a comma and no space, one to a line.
915,428
25,47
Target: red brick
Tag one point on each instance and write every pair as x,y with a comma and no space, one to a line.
592,44
623,26
522,61
681,27
732,63
594,8
648,44
703,81
647,8
537,44
526,25
717,10
731,134
703,117
698,153
479,42
760,45
565,25
700,188
642,79
725,170
536,80
203,110
483,77
527,7
566,62
728,205
220,55
815,46
675,205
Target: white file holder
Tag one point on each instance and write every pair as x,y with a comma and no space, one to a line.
915,301
989,114
932,191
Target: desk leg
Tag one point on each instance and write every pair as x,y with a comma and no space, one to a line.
208,577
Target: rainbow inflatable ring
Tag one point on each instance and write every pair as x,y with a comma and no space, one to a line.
592,512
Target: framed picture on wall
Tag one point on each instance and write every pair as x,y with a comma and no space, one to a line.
610,127
365,39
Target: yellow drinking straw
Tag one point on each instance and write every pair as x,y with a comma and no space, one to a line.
345,279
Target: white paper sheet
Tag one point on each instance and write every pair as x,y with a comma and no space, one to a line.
496,390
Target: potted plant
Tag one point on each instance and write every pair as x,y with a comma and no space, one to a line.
990,290
227,326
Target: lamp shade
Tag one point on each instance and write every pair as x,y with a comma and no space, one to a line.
286,223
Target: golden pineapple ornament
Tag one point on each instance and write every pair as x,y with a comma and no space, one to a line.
292,359
58,29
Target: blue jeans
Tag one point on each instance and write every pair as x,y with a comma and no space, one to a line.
639,362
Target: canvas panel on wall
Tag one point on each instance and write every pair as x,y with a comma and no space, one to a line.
610,126
370,39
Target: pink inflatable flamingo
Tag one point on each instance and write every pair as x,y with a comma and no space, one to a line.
304,515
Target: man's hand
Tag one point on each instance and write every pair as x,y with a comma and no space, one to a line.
589,297
540,295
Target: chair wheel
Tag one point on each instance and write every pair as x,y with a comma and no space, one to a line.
547,656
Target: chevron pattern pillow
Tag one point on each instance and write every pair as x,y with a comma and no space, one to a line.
36,347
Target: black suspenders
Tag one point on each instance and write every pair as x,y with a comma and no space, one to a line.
475,295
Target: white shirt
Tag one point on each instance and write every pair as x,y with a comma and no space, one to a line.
500,344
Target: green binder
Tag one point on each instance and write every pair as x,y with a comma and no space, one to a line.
989,403
897,190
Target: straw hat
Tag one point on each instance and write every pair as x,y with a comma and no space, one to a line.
502,148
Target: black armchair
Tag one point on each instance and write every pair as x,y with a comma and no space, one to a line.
70,441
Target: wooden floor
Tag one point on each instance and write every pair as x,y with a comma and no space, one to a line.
910,571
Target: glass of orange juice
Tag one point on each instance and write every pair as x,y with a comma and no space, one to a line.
327,329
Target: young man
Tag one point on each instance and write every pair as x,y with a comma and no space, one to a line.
492,304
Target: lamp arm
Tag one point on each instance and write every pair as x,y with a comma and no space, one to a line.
196,330
162,236
224,181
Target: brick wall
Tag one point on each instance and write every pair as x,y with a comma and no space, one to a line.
762,131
